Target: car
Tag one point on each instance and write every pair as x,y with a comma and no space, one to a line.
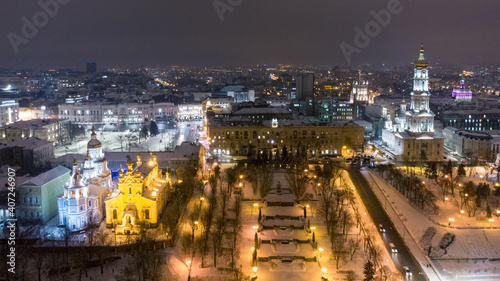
393,248
407,270
381,228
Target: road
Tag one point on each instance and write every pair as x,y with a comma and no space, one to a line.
379,216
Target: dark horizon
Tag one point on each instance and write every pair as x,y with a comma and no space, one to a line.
132,34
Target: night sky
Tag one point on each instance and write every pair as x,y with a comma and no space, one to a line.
139,33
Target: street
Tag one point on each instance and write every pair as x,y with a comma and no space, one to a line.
379,216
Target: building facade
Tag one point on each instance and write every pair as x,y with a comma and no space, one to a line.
33,155
9,112
38,195
139,199
273,135
114,113
54,130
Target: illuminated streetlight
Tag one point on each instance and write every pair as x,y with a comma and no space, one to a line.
323,269
256,204
307,206
196,222
188,262
491,221
202,198
252,249
423,182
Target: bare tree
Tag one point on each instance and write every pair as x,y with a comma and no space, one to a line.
353,246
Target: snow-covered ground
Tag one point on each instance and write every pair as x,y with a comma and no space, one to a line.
468,244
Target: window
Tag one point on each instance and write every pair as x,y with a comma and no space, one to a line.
115,215
146,214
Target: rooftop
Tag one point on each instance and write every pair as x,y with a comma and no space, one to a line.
29,143
48,176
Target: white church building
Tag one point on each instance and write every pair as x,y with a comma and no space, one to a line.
82,203
411,135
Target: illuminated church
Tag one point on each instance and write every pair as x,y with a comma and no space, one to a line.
139,199
411,136
82,203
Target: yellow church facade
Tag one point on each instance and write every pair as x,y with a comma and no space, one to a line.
139,199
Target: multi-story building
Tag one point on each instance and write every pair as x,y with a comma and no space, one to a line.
185,154
9,112
462,93
140,197
238,93
54,130
188,112
360,91
304,85
328,109
113,113
38,195
475,145
33,155
236,139
473,120
411,137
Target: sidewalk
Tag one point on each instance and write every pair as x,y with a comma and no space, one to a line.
395,206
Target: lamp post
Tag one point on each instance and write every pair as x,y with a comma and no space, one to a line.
491,222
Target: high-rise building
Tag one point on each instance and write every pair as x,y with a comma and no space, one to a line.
91,67
360,90
304,83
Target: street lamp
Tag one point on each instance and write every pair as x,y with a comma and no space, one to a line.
451,220
254,269
491,222
323,270
461,212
